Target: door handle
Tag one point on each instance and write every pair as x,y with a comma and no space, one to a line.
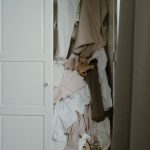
45,84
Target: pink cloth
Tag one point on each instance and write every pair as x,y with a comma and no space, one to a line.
71,83
72,62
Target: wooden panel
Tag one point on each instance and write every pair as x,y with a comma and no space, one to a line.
22,25
22,83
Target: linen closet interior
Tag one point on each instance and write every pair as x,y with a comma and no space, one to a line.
83,69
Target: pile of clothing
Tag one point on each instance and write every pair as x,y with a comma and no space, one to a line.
81,94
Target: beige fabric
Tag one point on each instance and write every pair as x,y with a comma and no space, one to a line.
92,30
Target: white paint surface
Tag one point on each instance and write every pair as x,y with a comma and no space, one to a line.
26,42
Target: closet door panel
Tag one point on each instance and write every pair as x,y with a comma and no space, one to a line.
16,128
24,79
26,33
22,25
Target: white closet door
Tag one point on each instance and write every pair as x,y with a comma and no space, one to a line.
25,81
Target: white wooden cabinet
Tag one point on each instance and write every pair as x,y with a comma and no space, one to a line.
26,43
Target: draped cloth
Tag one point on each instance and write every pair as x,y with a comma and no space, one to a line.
92,30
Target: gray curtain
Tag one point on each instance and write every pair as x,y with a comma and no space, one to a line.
131,127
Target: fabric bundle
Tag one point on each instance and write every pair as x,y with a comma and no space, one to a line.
83,96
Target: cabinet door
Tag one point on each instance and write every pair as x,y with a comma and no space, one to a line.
26,28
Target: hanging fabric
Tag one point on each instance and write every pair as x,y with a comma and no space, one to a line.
67,15
92,30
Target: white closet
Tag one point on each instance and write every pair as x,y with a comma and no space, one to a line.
26,43
26,72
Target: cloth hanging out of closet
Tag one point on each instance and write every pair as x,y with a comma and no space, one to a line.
65,112
67,15
102,131
70,84
92,30
101,57
103,128
91,37
76,131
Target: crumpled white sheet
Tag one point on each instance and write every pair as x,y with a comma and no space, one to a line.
63,118
65,111
83,140
60,145
102,131
64,114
